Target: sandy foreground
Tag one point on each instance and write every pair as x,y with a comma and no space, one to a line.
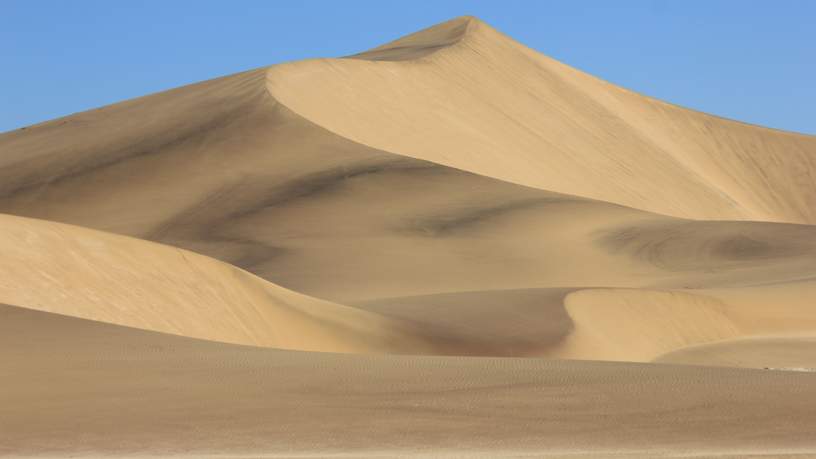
76,386
450,245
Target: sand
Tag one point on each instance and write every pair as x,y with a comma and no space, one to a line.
80,387
448,245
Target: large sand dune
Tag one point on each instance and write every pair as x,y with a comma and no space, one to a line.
483,103
452,195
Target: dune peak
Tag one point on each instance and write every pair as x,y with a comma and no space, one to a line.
464,95
422,43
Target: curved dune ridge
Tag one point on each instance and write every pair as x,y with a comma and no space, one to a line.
104,277
484,103
451,193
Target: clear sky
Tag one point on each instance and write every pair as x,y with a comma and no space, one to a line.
754,61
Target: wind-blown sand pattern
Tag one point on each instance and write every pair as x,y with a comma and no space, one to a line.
448,245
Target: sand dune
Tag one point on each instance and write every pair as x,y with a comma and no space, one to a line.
643,325
93,275
100,276
452,195
225,169
792,353
484,103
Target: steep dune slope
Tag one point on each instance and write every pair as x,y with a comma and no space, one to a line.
89,274
484,103
75,387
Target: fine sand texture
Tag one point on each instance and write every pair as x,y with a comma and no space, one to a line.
85,388
450,245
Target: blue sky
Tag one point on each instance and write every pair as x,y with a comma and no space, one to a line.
754,61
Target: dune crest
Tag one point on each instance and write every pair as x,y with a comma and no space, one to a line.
647,325
422,43
486,104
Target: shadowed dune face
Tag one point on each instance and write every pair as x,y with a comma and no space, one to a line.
451,193
523,322
717,247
